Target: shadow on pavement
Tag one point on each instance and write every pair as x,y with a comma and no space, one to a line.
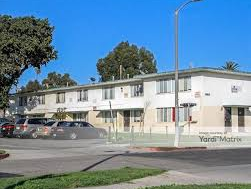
102,161
9,175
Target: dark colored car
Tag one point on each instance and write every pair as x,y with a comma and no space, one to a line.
2,122
76,130
7,129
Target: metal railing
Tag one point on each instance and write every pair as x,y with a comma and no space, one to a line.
164,136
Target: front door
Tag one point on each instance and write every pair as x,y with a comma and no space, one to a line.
127,120
228,119
241,119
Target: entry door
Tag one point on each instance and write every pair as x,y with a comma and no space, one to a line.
228,119
241,119
127,120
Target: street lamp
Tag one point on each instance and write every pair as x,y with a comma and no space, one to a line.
177,131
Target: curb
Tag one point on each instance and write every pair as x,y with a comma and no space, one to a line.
3,156
169,149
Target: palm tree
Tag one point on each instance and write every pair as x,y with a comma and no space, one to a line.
231,66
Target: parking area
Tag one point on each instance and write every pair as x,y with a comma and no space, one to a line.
38,156
41,148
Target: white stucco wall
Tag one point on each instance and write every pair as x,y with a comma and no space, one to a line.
210,91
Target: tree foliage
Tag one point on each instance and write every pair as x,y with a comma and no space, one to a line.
134,60
61,114
231,66
55,80
24,42
31,86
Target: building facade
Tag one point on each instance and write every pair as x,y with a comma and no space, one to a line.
221,102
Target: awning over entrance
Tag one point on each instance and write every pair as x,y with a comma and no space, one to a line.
188,100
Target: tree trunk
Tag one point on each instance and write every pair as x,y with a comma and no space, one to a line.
4,112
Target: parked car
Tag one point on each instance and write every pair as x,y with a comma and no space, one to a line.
77,129
2,122
7,129
27,127
45,130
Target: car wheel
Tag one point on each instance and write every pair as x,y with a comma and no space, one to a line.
34,135
73,136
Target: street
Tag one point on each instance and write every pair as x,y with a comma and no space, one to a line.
30,157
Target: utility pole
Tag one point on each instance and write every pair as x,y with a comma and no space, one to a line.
177,129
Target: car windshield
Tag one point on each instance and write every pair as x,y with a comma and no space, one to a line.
49,124
62,123
37,121
90,125
21,121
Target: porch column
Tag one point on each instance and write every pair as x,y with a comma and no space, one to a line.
234,119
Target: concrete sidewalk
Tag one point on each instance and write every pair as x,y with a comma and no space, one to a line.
167,178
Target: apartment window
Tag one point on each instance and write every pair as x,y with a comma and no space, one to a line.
107,116
137,90
168,114
165,86
185,84
136,115
164,114
81,116
168,85
82,95
22,101
183,114
41,99
60,97
108,93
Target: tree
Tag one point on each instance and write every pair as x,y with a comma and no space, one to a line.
55,80
142,117
134,61
231,66
25,42
61,114
31,86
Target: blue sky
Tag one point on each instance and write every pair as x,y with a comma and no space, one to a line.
211,32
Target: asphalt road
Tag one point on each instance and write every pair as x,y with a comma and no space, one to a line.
31,157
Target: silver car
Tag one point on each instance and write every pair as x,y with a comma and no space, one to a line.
45,130
26,127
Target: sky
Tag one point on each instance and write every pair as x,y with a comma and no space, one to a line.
210,32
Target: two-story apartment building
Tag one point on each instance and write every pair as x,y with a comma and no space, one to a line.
222,101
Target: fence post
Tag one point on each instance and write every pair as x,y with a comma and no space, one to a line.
109,134
116,135
150,132
167,131
132,134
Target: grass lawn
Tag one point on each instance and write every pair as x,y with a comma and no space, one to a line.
215,186
78,179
